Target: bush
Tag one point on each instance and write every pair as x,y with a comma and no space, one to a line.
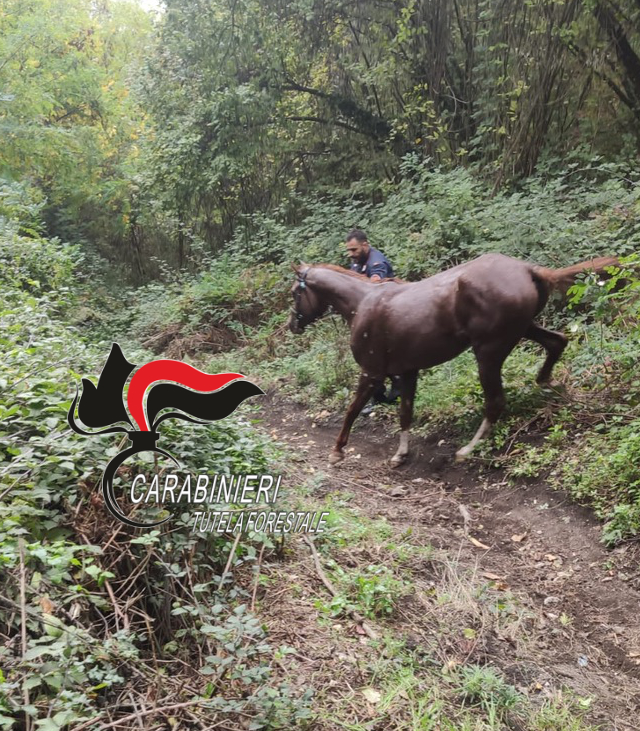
97,615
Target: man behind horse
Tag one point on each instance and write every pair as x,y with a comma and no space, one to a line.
375,265
365,259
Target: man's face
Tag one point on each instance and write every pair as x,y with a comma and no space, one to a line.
357,250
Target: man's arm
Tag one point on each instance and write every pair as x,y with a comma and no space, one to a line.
378,270
378,266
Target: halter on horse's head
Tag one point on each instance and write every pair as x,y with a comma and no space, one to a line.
307,305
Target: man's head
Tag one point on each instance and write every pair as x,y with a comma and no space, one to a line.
357,246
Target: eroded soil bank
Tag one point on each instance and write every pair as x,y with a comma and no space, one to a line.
566,615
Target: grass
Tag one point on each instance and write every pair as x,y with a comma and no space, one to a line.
539,428
604,471
415,697
436,664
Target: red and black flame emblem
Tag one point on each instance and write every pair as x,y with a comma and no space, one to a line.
156,386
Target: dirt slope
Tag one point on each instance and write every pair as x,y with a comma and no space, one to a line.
581,601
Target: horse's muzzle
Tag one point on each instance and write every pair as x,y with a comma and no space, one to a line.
294,325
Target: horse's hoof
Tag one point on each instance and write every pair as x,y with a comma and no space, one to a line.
551,385
397,460
335,457
462,454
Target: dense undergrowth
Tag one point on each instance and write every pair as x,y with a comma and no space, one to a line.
95,611
105,608
431,220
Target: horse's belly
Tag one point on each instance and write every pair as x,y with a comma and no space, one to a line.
396,335
403,352
416,355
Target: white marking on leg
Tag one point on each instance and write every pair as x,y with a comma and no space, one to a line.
403,449
484,429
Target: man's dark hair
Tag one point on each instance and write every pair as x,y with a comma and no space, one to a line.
358,235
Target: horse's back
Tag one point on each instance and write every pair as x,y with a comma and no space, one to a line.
421,324
488,269
495,274
497,296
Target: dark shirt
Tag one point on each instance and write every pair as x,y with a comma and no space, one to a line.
376,263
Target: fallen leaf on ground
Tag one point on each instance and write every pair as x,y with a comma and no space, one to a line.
477,543
518,538
373,696
493,577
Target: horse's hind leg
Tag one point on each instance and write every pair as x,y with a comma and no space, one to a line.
490,360
366,384
553,342
407,394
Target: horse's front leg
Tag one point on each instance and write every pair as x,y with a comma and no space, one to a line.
407,394
366,385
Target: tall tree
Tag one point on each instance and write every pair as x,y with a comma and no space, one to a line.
69,124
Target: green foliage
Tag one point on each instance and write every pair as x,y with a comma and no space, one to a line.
614,298
346,526
76,660
484,687
433,218
372,591
605,472
324,361
377,591
227,122
266,112
69,123
623,522
603,469
220,308
530,461
28,260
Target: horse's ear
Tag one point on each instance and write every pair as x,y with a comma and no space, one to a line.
294,267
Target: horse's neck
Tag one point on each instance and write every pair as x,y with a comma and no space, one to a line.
342,291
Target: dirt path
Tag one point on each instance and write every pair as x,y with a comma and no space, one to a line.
579,602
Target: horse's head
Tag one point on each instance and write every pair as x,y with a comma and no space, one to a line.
307,305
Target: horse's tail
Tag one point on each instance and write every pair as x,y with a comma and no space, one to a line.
562,279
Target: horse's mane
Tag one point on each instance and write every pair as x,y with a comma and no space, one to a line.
357,275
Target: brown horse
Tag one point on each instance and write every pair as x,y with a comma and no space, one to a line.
397,329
